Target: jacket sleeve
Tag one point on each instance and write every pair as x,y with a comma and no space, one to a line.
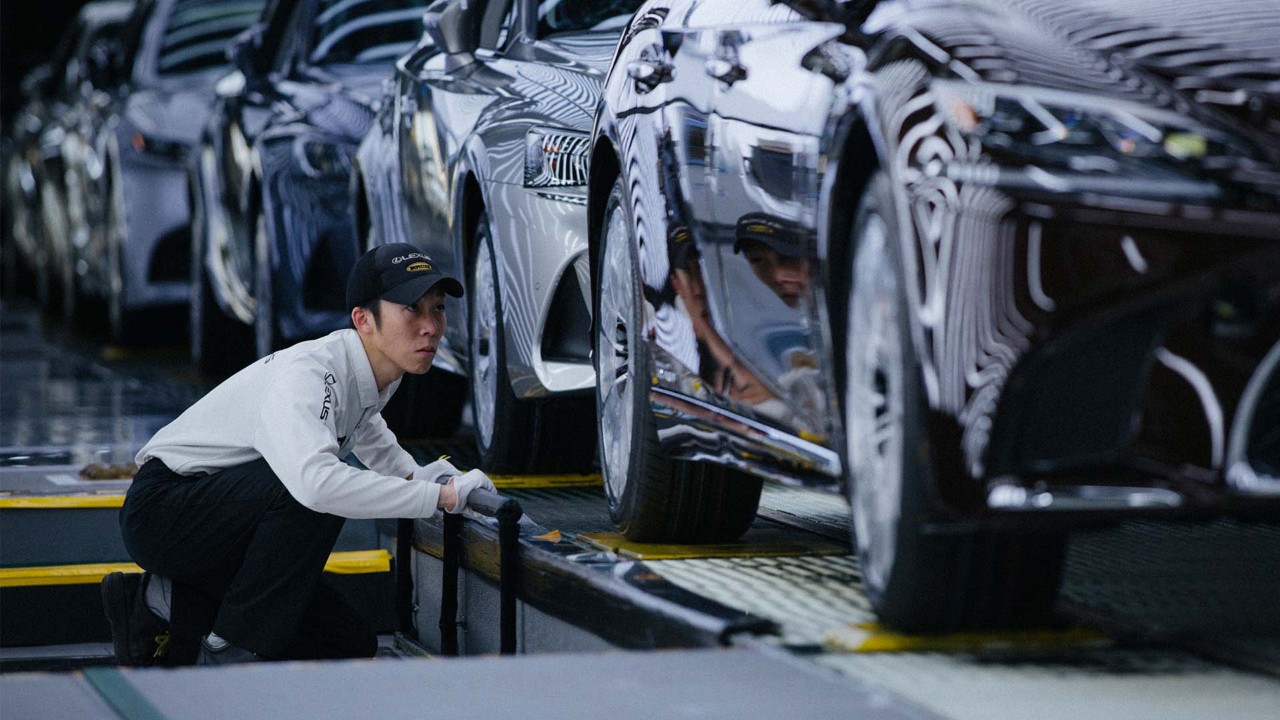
378,449
297,436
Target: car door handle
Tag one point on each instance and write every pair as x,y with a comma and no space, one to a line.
725,71
648,74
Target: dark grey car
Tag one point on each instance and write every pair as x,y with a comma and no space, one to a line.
178,50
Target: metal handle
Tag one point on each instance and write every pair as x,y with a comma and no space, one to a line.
648,74
494,505
508,514
725,71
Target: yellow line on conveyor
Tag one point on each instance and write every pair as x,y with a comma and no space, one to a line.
871,638
340,563
798,545
116,499
544,482
61,502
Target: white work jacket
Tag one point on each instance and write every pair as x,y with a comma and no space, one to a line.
304,410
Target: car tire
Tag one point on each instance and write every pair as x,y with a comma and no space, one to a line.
652,498
220,345
514,435
504,424
917,581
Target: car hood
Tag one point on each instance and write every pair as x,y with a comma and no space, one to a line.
1220,74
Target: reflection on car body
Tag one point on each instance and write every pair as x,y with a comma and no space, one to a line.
1007,266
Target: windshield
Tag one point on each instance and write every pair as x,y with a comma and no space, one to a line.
357,31
558,16
198,32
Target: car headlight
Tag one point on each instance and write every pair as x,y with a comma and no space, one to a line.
319,159
1043,123
555,158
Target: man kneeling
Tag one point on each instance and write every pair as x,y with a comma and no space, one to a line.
239,501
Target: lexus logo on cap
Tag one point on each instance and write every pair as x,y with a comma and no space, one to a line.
410,256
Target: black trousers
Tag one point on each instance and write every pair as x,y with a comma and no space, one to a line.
246,561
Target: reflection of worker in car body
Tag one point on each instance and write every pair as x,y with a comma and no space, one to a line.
719,367
777,253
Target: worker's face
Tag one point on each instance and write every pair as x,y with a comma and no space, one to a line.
408,335
787,277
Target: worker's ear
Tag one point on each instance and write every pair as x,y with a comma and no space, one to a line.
360,320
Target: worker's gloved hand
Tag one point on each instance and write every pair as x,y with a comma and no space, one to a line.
438,472
465,483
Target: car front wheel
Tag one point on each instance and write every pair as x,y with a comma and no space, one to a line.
917,581
652,498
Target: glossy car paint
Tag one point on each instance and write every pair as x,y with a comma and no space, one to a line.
1094,308
278,236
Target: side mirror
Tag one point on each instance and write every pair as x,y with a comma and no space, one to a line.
454,27
245,51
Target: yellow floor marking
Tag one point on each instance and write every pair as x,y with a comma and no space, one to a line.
340,563
543,482
614,542
116,499
871,638
60,502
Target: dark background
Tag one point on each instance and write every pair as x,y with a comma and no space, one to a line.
29,31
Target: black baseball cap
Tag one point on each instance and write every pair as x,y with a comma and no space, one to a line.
398,273
783,236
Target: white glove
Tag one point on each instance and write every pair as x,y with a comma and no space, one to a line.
465,483
437,472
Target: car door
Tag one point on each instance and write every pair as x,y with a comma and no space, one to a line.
666,139
769,114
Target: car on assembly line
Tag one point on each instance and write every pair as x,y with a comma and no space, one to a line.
996,269
479,159
22,175
177,51
273,229
58,98
72,199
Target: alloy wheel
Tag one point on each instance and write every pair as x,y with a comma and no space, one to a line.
615,361
484,323
874,402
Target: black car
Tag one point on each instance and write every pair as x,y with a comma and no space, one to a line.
996,269
274,229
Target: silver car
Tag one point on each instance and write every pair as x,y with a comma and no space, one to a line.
482,146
